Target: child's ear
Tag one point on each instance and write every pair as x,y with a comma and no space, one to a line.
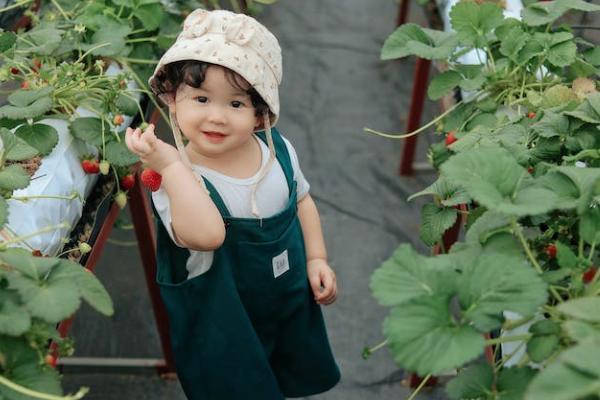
259,123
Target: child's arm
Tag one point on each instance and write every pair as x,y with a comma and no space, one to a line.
321,277
196,221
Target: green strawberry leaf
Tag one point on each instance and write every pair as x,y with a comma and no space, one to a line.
126,104
589,226
118,154
447,193
408,275
583,308
565,256
472,382
89,129
487,225
36,109
42,40
7,41
3,212
492,177
563,187
513,382
512,42
111,38
581,331
424,338
13,177
15,148
495,283
28,265
23,98
567,377
150,15
551,124
473,22
411,39
443,83
14,318
90,287
42,137
435,221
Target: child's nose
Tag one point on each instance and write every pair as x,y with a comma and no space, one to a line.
217,115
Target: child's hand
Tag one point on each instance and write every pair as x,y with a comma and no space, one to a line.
322,281
153,152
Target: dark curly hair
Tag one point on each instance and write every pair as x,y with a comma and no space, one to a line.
193,73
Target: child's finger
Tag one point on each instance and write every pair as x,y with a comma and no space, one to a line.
315,284
327,281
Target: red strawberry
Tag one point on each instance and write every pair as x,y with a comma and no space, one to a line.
531,170
531,115
15,71
51,360
25,85
551,250
450,138
589,275
151,179
37,253
127,182
90,166
118,119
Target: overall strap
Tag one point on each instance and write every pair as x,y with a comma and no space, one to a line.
216,198
282,154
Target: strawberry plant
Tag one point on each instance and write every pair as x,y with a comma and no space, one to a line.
524,158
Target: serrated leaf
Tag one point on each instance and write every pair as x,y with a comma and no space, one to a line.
565,256
405,276
24,98
472,382
473,21
513,42
546,149
589,226
551,124
486,120
43,40
42,137
112,38
545,327
88,129
7,41
585,179
24,262
434,222
531,49
21,365
91,289
489,223
490,176
118,154
126,105
447,193
560,381
15,148
497,283
411,39
3,212
582,331
583,308
424,338
512,382
443,83
562,54
13,177
14,319
150,15
567,193
36,109
51,300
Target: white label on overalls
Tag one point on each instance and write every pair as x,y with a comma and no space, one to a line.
280,264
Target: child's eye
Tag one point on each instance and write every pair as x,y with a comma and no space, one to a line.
236,104
201,99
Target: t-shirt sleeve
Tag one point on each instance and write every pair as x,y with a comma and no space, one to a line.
161,203
303,185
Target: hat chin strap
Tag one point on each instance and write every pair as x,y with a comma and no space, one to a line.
181,147
267,167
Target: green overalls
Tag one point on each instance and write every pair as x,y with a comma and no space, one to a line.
238,331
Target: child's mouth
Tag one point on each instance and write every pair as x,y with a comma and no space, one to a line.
214,137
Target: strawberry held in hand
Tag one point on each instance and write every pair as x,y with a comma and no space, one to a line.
151,179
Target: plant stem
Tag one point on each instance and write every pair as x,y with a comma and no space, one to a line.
139,40
123,60
16,5
519,232
591,255
24,199
507,339
39,395
60,9
418,389
515,324
591,153
5,244
415,132
377,346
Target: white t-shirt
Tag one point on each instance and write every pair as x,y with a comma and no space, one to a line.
272,196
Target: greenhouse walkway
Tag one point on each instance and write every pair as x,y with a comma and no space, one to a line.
334,85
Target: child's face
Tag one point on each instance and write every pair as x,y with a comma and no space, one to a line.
217,117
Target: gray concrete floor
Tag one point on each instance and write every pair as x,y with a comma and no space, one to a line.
334,85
